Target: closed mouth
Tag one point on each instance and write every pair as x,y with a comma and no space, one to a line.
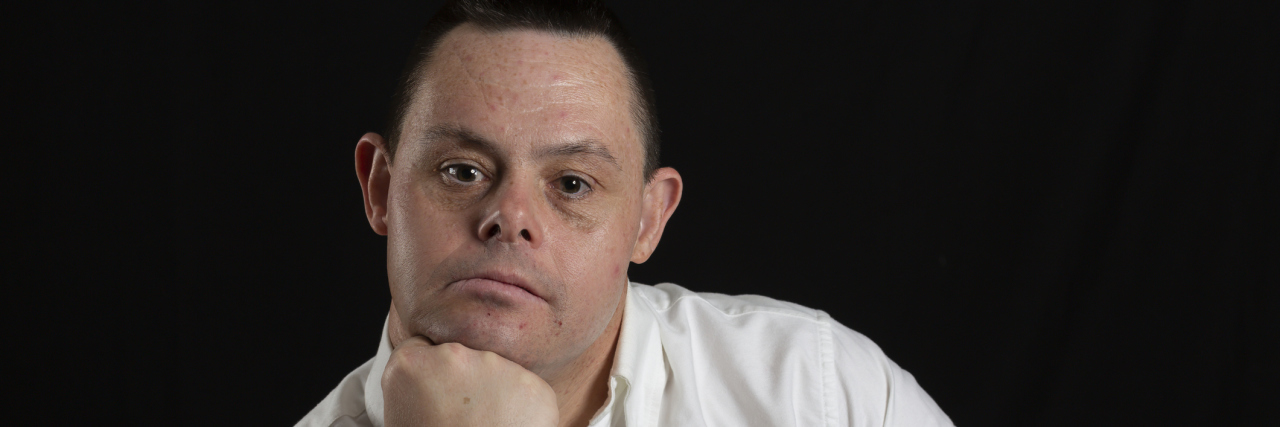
509,280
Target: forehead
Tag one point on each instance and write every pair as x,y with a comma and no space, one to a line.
526,87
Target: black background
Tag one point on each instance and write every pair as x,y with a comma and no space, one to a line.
1050,213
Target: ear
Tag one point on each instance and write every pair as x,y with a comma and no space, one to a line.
661,196
375,178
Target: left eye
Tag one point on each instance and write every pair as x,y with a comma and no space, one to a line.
572,185
464,173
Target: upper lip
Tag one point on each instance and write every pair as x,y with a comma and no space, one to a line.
510,279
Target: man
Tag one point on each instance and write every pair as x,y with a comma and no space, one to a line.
517,183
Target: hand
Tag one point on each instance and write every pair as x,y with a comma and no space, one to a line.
452,385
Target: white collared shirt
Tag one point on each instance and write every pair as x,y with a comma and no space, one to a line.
703,359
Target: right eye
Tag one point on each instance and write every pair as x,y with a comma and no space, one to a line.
464,173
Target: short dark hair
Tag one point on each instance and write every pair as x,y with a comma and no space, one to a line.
563,17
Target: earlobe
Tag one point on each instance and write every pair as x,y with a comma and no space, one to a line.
661,196
372,169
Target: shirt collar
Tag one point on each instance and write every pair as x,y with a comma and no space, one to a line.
639,368
636,381
373,383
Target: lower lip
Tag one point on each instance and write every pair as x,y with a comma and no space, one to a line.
487,288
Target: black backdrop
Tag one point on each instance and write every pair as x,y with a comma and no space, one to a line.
1051,214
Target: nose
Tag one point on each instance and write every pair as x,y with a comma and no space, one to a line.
512,217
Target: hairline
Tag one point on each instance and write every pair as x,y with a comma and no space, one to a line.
645,131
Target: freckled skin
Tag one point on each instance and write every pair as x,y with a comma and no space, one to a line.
523,90
567,223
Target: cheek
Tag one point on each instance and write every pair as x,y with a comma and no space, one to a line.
420,236
599,257
595,266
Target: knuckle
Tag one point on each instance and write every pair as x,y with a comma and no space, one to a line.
393,374
452,354
450,349
414,343
531,382
397,359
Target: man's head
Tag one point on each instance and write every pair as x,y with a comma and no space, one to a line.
518,195
564,17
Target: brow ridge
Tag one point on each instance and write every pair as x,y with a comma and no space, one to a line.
589,146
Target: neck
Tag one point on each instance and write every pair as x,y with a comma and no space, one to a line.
585,386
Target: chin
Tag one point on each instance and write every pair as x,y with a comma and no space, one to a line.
515,339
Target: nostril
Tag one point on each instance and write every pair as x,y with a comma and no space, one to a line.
496,230
525,235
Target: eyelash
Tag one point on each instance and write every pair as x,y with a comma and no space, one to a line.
587,187
452,177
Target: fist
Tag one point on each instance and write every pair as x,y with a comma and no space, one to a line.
452,385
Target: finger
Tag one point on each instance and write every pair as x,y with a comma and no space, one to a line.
417,341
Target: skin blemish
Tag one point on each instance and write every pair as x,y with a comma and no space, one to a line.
466,400
437,216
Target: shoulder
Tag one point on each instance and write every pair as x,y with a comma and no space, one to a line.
741,320
344,406
766,353
741,329
753,321
667,297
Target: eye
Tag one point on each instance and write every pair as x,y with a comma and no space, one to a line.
572,185
464,173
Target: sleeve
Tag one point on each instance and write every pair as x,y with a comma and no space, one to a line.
869,389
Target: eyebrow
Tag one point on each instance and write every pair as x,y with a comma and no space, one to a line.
470,139
463,136
587,146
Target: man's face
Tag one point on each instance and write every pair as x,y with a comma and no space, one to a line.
519,164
